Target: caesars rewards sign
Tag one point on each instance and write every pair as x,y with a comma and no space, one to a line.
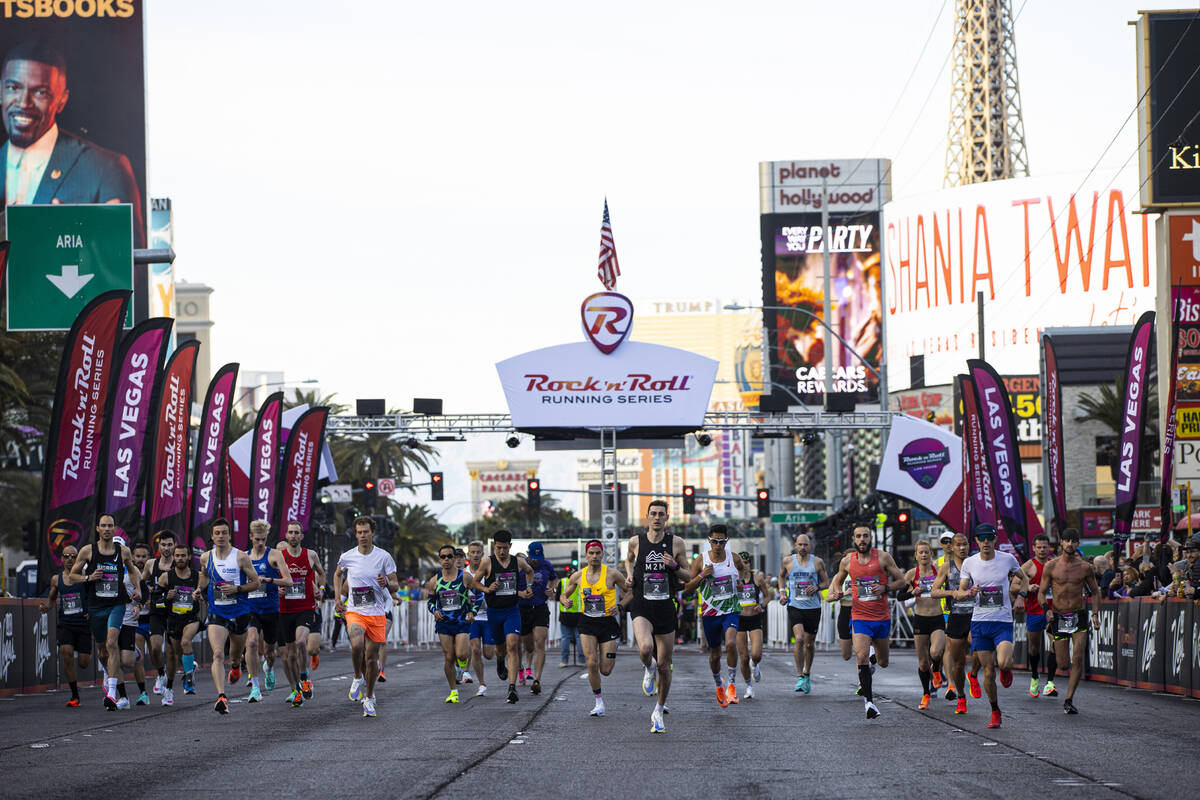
607,381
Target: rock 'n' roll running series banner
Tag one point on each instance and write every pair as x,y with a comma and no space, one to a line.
264,460
301,462
1133,422
74,448
1000,451
1052,439
167,505
976,480
139,368
923,464
209,470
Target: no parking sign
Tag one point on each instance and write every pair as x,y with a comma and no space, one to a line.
386,486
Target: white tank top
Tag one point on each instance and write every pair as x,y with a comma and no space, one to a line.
481,614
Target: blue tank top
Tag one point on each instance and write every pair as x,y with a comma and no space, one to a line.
798,578
221,571
264,599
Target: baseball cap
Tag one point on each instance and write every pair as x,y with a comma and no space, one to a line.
985,531
536,553
1193,542
947,536
120,539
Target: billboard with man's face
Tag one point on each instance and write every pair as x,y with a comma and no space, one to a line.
72,103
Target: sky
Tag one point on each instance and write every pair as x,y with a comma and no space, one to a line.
392,197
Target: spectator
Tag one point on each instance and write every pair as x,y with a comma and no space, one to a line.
1140,580
1104,573
1117,588
1187,569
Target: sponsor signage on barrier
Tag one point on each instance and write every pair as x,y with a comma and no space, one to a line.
1102,646
1177,621
1127,643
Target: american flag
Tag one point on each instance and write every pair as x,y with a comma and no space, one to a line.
608,270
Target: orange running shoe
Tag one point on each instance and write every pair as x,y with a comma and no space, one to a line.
961,708
235,675
994,722
721,701
1006,678
975,690
73,702
731,693
939,680
314,662
924,702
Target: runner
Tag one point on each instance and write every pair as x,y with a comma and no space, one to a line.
929,627
987,577
714,573
262,632
481,642
958,618
570,611
535,615
298,612
801,579
753,596
74,637
654,560
226,577
314,636
870,616
367,576
160,565
453,607
106,597
598,628
180,590
1067,576
460,562
1035,618
135,628
496,577
845,608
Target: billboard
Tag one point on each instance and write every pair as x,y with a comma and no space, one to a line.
1043,251
161,277
1169,156
77,71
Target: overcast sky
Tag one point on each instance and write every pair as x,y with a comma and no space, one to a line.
391,197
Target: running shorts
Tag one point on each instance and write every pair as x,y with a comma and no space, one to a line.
101,619
1064,628
958,626
925,625
534,617
267,624
78,637
503,622
749,622
446,627
875,628
989,635
604,629
481,630
843,622
374,627
1035,623
289,623
235,625
715,627
809,618
660,613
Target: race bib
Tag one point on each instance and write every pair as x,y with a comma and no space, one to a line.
219,598
449,600
991,597
800,587
869,589
747,595
258,594
182,604
1068,622
593,605
362,596
506,584
722,587
107,585
927,584
654,586
295,591
72,603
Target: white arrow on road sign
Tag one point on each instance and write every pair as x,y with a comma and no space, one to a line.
70,281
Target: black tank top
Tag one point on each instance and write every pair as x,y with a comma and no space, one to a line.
652,581
108,590
183,604
505,578
156,603
71,609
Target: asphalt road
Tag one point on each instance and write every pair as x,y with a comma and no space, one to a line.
1124,743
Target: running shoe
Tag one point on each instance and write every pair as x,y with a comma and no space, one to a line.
521,677
189,683
382,678
976,692
924,702
143,699
749,692
255,694
1069,707
939,680
799,687
168,697
368,705
298,699
458,674
721,699
994,722
73,702
222,705
512,695
123,704
1049,691
501,669
807,687
563,665
291,696
466,677
1006,678
306,689
657,723
951,694
961,707
356,689
235,675
452,697
110,702
536,687
160,683
482,690
731,693
1033,687
756,673
648,682
872,711
314,661
858,691
598,709
269,681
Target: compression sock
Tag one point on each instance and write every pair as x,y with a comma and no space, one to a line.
171,681
141,686
189,663
717,679
597,693
1051,665
937,665
75,689
926,679
1034,658
732,674
995,706
303,674
121,689
864,680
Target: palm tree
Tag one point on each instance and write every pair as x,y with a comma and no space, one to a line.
313,398
238,425
417,535
1108,410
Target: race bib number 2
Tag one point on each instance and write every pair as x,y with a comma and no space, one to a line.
654,586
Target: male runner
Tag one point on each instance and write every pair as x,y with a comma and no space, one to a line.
226,577
1066,576
497,579
654,560
801,579
1035,618
987,577
298,612
74,637
135,628
179,588
160,565
453,607
958,619
262,632
753,596
845,607
481,642
870,615
598,628
715,573
367,576
106,597
570,611
535,615
929,627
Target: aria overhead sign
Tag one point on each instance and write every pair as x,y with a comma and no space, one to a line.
1169,158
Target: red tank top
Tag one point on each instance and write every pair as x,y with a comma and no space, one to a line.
1031,602
869,583
291,601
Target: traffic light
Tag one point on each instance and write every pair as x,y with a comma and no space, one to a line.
370,494
533,487
764,502
436,487
903,527
616,488
689,500
31,537
575,559
348,517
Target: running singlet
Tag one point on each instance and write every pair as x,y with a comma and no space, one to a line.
1032,606
223,571
801,577
543,576
925,582
651,579
452,598
264,599
747,594
70,602
183,604
363,571
869,583
478,597
953,579
598,600
300,596
109,590
992,577
156,604
132,610
718,593
504,576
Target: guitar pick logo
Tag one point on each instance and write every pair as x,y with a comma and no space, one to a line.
607,318
924,460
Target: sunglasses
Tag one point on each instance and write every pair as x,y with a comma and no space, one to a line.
445,555
718,541
985,537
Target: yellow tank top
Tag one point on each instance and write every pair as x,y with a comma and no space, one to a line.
598,599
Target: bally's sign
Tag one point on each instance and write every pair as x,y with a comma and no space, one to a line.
607,381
